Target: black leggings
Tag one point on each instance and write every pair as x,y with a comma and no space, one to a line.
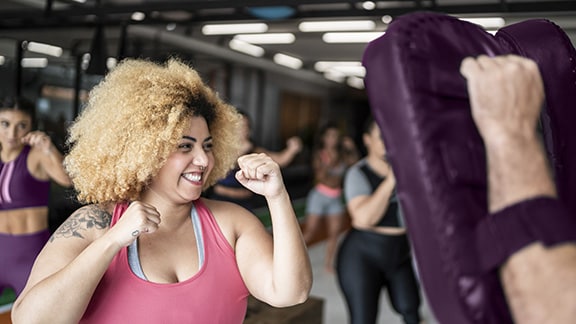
368,262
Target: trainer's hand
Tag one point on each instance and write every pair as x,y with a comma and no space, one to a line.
139,218
260,174
506,94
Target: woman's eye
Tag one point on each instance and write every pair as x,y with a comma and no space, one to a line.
185,146
208,147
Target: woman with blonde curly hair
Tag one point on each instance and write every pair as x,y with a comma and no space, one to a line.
147,248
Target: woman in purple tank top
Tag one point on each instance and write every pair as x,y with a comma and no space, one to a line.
28,161
147,248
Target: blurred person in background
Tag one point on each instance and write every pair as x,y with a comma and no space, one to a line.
228,188
375,253
29,162
332,154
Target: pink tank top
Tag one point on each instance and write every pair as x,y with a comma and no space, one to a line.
216,294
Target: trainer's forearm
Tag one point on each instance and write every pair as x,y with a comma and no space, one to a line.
517,170
539,282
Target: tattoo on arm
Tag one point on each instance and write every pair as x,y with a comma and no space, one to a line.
82,220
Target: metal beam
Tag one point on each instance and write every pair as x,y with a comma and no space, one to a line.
75,16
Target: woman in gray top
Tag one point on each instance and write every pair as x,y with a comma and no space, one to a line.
375,253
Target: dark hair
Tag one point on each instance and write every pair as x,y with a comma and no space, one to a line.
319,140
369,125
19,104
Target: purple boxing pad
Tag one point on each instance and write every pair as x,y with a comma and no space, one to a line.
548,45
420,102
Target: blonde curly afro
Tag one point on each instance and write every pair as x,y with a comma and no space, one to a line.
132,123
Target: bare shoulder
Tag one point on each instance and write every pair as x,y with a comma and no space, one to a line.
85,223
226,209
231,216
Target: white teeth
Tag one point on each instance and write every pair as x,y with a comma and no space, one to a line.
192,176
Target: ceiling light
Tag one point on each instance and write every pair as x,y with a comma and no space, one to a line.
357,71
36,62
227,29
171,26
368,5
335,76
322,66
357,37
355,82
348,25
111,62
80,1
271,38
2,60
138,16
44,49
288,61
487,22
246,48
386,19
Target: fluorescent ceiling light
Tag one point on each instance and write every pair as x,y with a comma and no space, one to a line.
246,48
171,26
288,61
80,1
227,29
368,5
41,62
357,71
347,25
335,76
354,37
355,82
488,22
44,49
138,16
322,66
111,62
271,38
386,19
2,60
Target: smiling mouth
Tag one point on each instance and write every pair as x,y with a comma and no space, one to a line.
194,177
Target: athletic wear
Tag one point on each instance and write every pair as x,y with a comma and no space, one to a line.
215,294
134,259
18,188
361,180
368,261
17,255
318,203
